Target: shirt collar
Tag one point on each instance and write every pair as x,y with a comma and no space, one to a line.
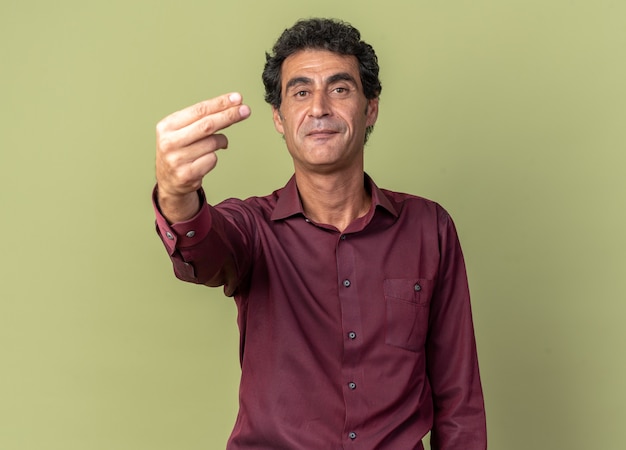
289,203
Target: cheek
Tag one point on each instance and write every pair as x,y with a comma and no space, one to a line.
292,121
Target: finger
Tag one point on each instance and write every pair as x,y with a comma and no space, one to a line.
172,164
191,114
202,128
202,147
204,164
211,124
190,177
183,176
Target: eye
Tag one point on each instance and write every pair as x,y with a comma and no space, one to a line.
301,94
341,90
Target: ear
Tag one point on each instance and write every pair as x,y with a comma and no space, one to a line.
278,120
371,112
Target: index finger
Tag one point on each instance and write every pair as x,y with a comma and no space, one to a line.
192,114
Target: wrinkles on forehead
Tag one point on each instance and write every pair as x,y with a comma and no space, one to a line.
342,76
319,67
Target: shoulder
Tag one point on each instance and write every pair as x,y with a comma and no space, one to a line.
255,207
414,204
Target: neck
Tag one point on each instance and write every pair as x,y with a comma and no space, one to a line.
333,199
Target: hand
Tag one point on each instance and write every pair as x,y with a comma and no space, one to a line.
186,144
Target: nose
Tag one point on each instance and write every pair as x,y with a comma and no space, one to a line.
320,105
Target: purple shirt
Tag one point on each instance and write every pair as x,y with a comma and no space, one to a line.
355,340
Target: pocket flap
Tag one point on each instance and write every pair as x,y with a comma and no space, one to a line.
415,290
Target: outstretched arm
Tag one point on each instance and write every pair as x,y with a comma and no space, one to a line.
186,144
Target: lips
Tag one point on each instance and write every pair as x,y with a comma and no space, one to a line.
322,133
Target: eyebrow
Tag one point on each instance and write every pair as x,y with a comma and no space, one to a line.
341,76
298,80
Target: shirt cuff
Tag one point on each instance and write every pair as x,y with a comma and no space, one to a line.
183,234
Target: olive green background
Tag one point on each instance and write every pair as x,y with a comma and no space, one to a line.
512,114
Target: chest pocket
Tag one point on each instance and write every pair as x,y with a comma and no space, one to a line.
407,307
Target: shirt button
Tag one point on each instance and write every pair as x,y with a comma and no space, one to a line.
352,335
346,283
343,237
190,234
417,287
169,235
352,435
352,385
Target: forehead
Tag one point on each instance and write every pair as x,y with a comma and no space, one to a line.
321,64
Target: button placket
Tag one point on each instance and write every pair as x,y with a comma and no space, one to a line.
349,300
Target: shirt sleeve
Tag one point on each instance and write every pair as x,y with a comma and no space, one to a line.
206,249
459,416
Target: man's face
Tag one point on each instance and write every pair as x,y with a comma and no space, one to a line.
324,113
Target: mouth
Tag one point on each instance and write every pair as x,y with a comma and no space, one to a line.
321,133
